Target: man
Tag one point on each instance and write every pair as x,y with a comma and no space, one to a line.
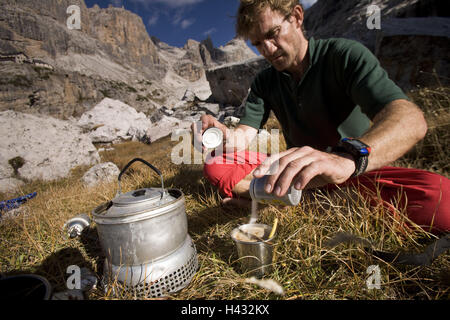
322,91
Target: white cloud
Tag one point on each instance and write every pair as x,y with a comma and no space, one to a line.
177,18
308,3
183,23
209,32
153,19
186,23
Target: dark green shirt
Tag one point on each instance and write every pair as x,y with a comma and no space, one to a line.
342,89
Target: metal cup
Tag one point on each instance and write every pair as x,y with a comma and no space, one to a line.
255,257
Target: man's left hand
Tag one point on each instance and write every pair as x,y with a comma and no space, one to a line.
304,168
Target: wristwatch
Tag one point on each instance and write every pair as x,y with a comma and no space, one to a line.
358,150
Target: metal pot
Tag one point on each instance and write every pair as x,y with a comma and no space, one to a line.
141,226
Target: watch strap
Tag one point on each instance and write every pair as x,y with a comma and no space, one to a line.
361,159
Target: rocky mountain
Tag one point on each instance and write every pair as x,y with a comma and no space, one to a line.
65,88
51,69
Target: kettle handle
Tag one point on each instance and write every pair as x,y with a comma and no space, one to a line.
149,165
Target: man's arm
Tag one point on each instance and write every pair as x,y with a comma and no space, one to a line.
397,128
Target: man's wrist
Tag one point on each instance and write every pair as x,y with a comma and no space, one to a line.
349,161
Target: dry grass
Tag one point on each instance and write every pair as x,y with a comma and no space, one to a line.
32,241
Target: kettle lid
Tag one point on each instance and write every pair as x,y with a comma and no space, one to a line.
151,197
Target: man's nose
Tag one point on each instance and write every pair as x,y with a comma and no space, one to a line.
269,48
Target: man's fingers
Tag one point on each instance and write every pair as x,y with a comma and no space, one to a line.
270,164
306,175
283,168
271,167
291,171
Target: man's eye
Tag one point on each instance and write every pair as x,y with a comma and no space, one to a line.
274,33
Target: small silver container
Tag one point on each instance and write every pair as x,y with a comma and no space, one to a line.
74,227
257,192
255,257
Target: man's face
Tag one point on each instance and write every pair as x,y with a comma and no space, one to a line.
277,39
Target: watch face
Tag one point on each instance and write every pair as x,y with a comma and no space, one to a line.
361,147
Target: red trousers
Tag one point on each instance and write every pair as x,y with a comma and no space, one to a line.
425,195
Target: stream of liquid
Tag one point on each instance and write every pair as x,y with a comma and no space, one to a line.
254,214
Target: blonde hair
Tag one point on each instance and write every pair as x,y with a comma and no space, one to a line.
250,9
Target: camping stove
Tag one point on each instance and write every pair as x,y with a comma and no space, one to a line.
157,278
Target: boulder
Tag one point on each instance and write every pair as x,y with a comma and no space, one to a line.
33,147
189,96
100,173
235,51
167,125
112,120
211,108
230,83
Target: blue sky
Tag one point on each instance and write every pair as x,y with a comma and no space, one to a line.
176,21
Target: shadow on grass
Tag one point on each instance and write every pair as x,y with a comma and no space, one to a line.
54,267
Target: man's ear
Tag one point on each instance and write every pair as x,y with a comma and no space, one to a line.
298,14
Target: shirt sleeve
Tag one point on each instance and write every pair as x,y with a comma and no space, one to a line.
366,82
256,110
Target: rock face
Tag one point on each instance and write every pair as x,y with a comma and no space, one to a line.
39,30
191,61
415,51
125,37
326,13
234,51
41,148
230,83
111,56
412,44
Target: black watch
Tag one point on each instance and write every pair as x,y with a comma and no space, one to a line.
358,150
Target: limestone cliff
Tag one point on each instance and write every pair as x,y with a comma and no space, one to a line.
48,68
